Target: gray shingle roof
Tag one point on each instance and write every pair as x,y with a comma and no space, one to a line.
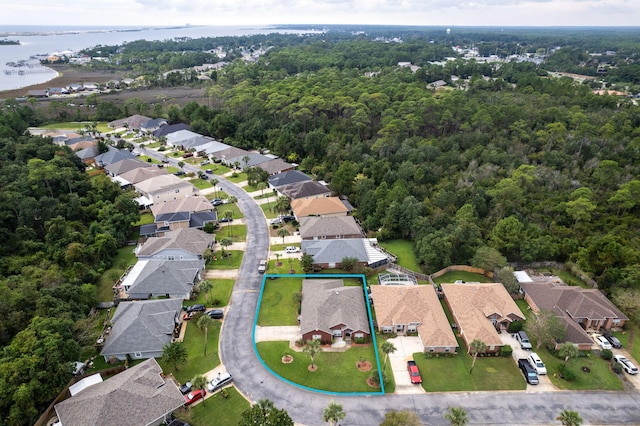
327,303
333,251
113,156
288,178
312,226
136,396
170,128
126,165
304,189
191,240
143,326
165,276
276,165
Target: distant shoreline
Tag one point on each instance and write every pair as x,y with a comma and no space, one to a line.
91,30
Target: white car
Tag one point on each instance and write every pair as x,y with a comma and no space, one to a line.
627,365
602,341
537,363
220,381
292,249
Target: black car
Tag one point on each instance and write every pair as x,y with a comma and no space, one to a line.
186,388
179,173
225,219
196,308
529,372
215,313
613,340
287,218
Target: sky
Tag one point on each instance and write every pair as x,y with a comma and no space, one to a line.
270,12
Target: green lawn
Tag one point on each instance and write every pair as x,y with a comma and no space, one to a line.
220,292
600,376
226,411
123,259
453,276
403,250
278,305
149,160
217,169
200,183
625,338
145,219
267,208
228,262
337,371
390,381
77,125
239,177
237,233
451,373
286,266
197,362
234,209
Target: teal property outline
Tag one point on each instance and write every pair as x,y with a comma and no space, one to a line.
373,334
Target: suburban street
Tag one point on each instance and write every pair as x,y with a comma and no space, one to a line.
533,407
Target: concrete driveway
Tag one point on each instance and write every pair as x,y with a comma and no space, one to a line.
406,346
518,353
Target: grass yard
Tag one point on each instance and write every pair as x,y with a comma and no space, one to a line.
279,305
123,259
200,183
77,125
217,169
390,381
197,362
337,371
221,292
451,373
150,160
628,342
286,266
600,376
225,411
232,260
566,276
234,209
236,233
145,219
239,177
453,276
403,250
268,210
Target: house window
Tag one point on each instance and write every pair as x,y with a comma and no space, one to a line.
431,350
171,257
177,190
399,327
412,328
387,329
358,335
492,348
324,237
316,337
137,354
446,349
616,322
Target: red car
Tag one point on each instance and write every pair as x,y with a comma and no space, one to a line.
414,373
194,396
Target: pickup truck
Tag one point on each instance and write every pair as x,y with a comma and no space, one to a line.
414,373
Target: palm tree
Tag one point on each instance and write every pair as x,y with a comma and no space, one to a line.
225,242
214,182
388,348
246,160
457,416
476,346
261,186
570,418
278,259
265,405
174,354
283,232
205,287
312,348
229,215
333,413
199,381
204,322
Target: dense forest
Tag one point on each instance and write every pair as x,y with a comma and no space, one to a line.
503,162
60,229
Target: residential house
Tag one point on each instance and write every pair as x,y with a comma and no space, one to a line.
414,309
248,159
133,122
276,166
141,329
331,253
331,311
288,177
197,203
139,395
480,311
579,309
113,155
150,278
329,228
186,139
166,222
307,189
152,125
138,175
163,131
163,188
326,207
226,155
124,166
211,147
88,155
181,244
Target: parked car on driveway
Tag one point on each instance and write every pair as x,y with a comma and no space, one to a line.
613,340
194,396
215,313
262,267
187,155
209,171
627,365
225,219
414,373
537,363
292,249
522,337
186,388
529,372
217,202
220,381
601,341
196,308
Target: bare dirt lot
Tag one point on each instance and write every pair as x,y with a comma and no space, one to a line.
69,75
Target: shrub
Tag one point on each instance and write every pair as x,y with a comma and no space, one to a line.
566,373
616,367
361,340
506,350
515,326
606,354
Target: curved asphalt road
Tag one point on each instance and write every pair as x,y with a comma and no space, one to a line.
306,407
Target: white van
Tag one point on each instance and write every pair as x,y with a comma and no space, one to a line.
537,363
